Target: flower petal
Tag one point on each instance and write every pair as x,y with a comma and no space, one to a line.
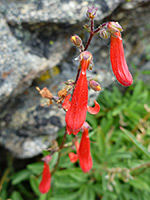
94,110
84,153
45,183
73,157
77,146
66,103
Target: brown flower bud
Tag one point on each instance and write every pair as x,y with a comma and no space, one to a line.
94,85
76,40
104,34
62,93
45,93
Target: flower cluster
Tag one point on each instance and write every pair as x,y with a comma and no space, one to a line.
77,108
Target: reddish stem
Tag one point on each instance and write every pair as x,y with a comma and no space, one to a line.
92,32
78,73
96,30
60,151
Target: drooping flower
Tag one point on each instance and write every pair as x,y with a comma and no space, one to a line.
77,108
45,183
118,61
76,114
83,152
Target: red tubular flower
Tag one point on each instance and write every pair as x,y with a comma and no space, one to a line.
45,183
77,108
118,62
74,157
84,153
76,114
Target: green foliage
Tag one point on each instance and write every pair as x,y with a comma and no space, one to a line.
120,150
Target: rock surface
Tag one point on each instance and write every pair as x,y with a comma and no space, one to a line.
35,51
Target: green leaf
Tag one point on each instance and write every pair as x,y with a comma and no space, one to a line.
3,194
146,72
43,197
138,182
80,179
91,120
53,160
87,193
66,182
46,196
101,140
118,109
66,178
20,176
24,190
137,144
34,185
36,168
16,196
67,196
119,155
137,90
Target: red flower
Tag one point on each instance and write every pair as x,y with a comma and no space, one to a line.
45,183
118,62
77,108
74,157
83,152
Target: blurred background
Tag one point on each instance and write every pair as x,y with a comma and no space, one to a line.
35,50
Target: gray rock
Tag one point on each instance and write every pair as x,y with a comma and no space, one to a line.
31,128
17,68
54,11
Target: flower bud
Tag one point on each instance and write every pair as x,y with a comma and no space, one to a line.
76,40
69,82
62,93
114,27
94,85
91,12
45,93
104,34
47,159
87,27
